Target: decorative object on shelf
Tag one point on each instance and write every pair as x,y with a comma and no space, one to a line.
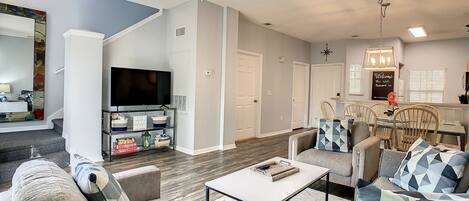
380,58
327,51
125,145
392,101
162,140
139,122
4,89
146,140
119,122
159,121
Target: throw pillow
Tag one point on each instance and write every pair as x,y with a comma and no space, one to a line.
334,135
41,180
95,182
428,169
370,192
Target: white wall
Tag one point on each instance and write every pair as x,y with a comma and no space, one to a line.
16,64
181,54
142,48
277,77
229,64
452,55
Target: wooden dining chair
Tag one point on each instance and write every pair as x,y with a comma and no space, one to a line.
438,138
412,123
327,110
384,133
362,113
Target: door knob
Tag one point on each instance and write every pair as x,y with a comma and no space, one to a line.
255,101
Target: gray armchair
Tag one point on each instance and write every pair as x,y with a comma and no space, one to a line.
345,168
389,164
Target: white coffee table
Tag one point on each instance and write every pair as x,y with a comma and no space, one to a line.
246,185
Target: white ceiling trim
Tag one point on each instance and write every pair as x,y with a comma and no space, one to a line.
160,4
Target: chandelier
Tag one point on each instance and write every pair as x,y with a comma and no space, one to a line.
380,58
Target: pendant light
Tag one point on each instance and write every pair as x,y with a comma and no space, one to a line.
380,58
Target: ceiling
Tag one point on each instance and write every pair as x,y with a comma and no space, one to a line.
325,20
12,25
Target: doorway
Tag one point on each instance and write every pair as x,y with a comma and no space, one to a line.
300,95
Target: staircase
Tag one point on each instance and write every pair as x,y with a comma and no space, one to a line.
15,148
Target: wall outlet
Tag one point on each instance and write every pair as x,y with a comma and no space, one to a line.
281,117
269,92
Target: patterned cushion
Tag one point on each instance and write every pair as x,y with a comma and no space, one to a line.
370,192
334,135
41,180
428,169
107,187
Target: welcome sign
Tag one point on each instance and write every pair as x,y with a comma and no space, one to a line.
383,83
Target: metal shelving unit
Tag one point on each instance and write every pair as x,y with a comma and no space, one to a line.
108,134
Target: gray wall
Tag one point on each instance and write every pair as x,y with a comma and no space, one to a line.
209,58
277,77
143,48
16,64
104,16
452,55
339,48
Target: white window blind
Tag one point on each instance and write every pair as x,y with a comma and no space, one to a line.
426,86
355,79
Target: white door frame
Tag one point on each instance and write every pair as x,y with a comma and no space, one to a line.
307,96
259,100
342,92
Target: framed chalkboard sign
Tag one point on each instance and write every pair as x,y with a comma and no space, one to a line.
383,83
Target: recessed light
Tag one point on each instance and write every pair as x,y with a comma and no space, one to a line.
267,24
418,32
355,36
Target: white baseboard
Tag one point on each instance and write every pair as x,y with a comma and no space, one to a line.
204,150
57,115
227,147
275,133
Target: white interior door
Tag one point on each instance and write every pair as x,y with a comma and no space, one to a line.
300,93
247,94
326,83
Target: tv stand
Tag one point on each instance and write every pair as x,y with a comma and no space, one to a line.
109,136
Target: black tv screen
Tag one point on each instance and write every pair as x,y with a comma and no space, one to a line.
140,87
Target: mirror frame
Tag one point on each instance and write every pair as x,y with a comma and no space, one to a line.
39,64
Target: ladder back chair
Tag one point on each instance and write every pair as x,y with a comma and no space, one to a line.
412,123
362,113
384,133
327,110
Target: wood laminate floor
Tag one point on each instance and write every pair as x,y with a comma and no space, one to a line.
183,176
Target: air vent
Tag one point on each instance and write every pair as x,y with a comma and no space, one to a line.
181,31
179,102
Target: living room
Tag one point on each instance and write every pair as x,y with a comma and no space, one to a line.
189,100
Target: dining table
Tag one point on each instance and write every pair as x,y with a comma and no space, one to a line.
445,128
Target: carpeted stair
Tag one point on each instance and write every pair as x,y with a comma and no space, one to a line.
15,148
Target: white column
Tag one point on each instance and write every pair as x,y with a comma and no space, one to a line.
82,93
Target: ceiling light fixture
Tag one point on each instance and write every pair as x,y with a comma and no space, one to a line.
418,32
380,58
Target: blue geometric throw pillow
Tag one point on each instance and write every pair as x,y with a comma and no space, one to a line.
428,169
95,182
334,135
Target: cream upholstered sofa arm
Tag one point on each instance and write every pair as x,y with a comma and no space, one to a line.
140,184
301,142
365,159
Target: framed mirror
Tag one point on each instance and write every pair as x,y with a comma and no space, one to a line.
22,63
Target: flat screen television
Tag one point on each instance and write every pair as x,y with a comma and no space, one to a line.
133,87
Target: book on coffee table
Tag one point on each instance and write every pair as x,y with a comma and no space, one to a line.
274,171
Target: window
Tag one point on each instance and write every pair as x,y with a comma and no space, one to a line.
426,86
355,79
